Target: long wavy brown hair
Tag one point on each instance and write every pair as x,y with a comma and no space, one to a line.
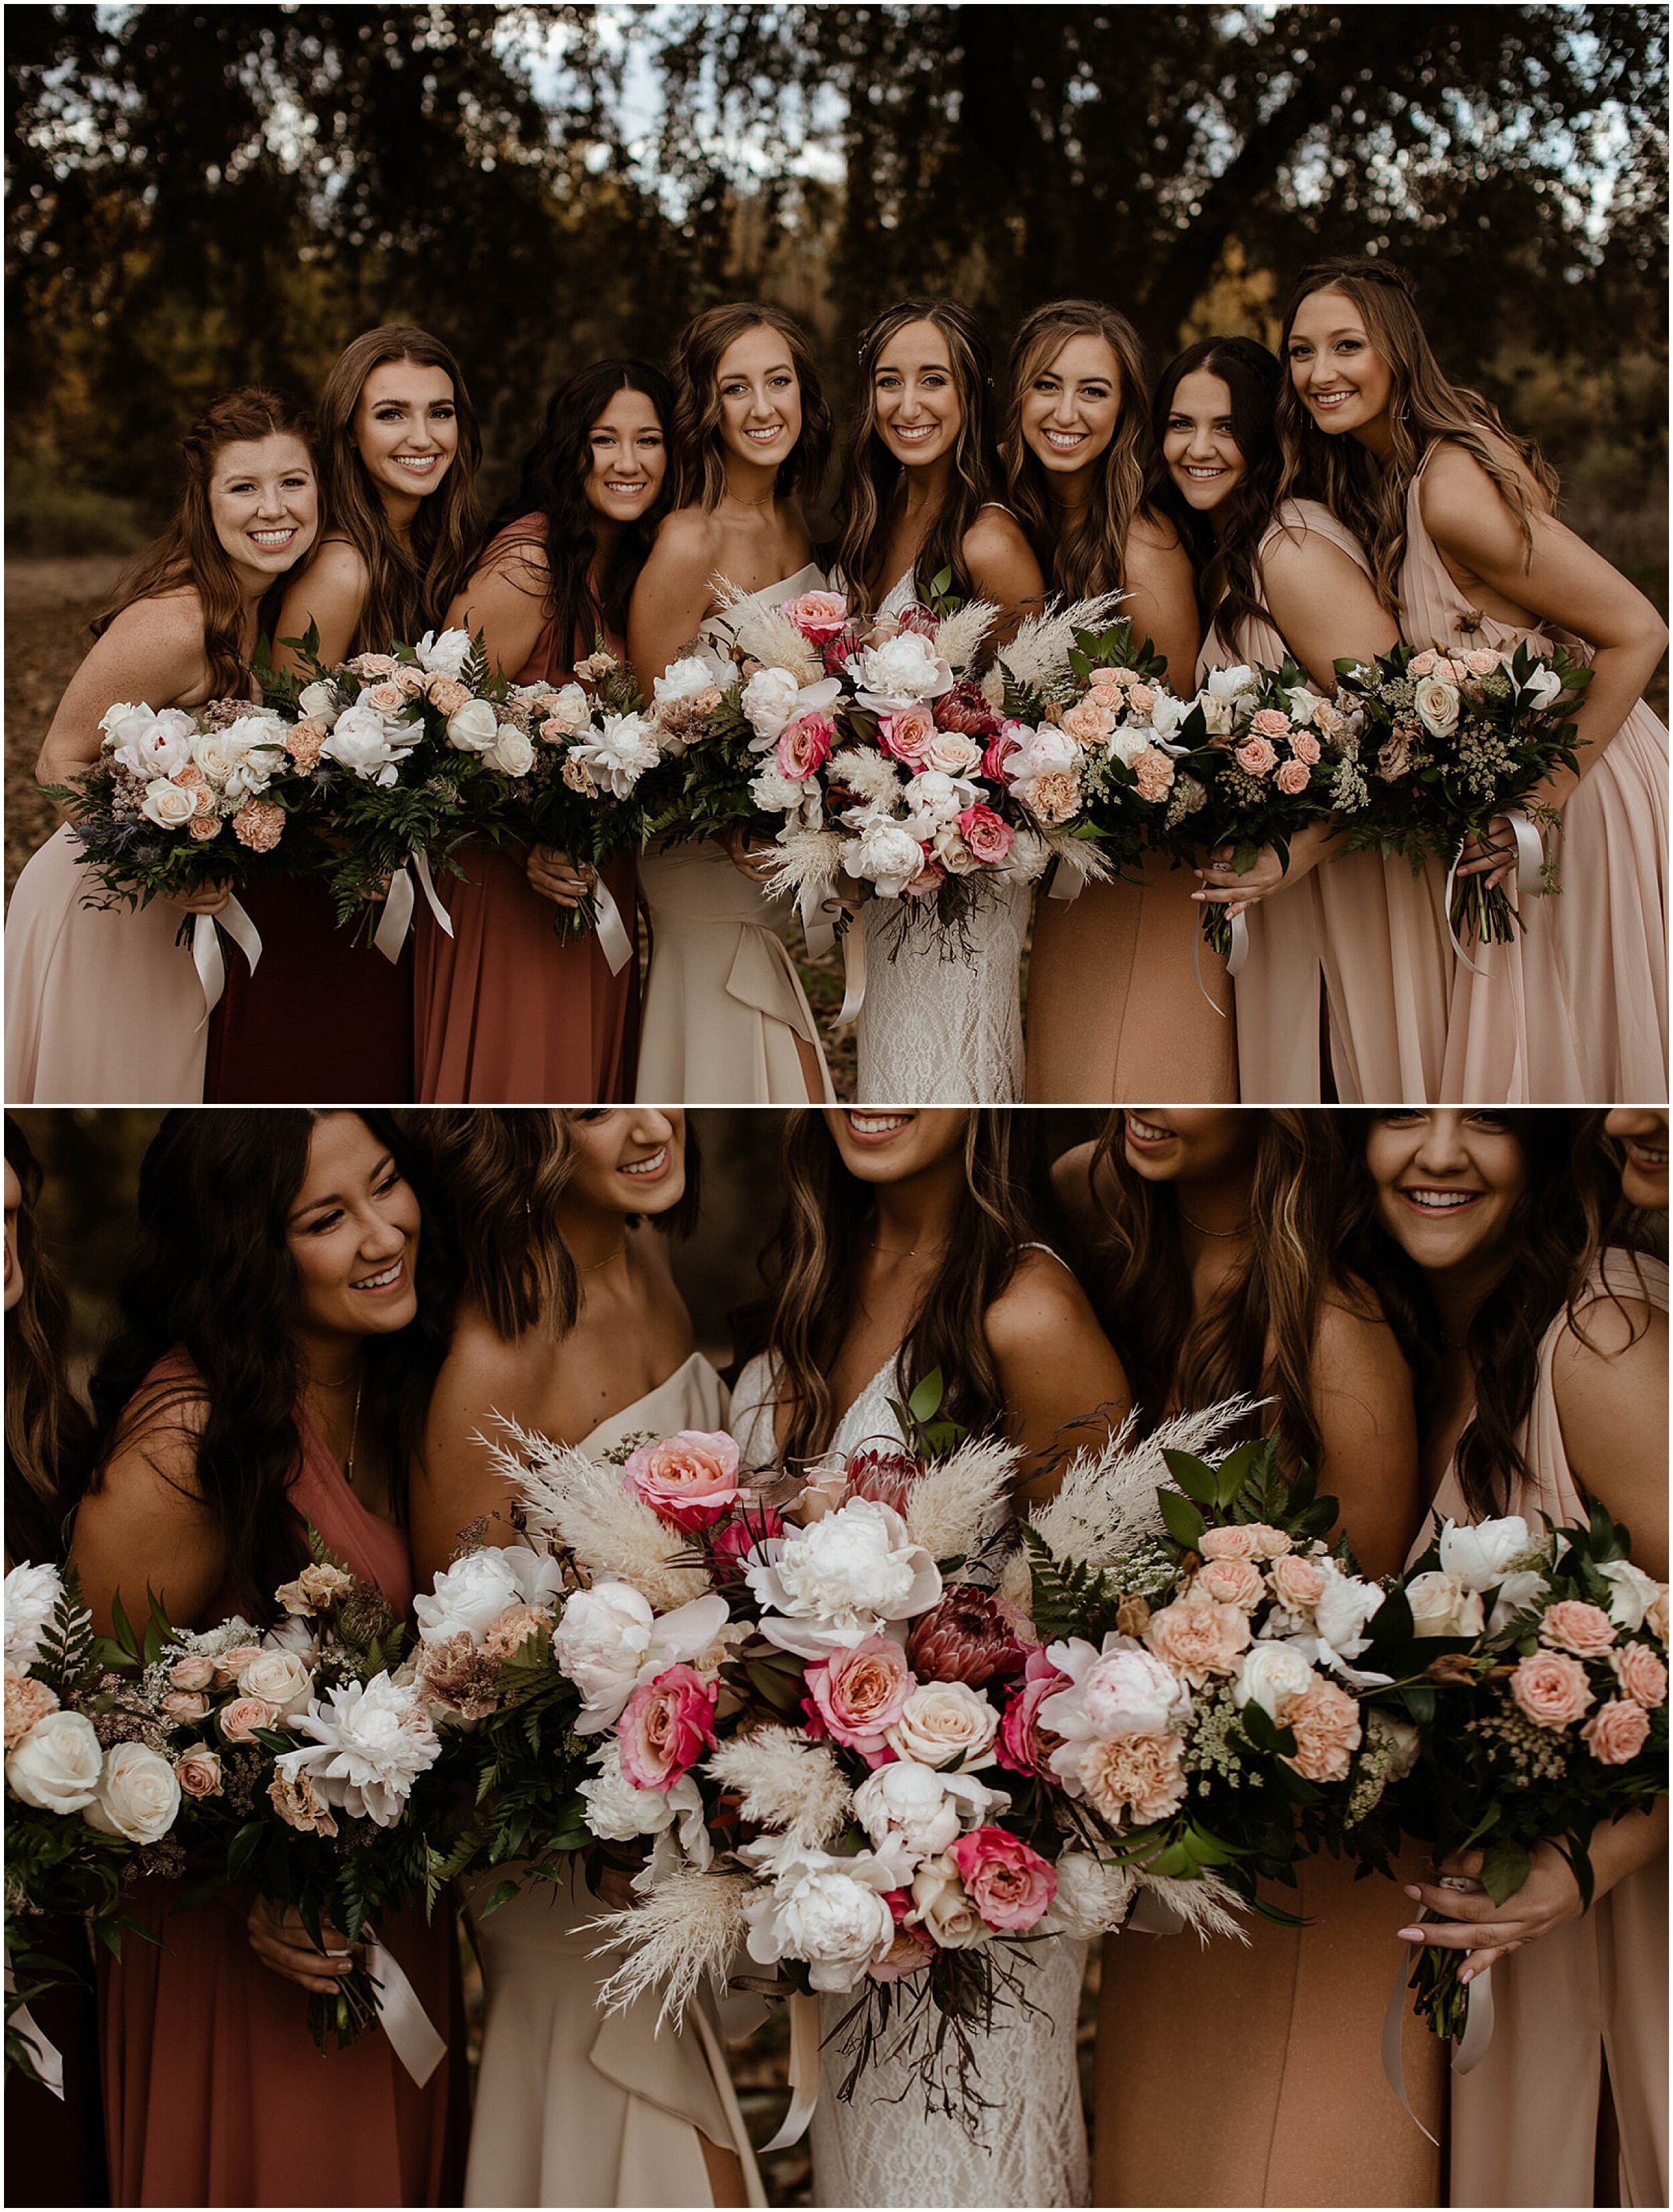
190,555
48,1434
697,463
408,588
1424,405
1551,1242
1085,553
812,1268
1227,559
872,478
1259,1335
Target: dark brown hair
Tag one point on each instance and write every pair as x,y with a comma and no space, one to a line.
1227,560
698,461
47,1431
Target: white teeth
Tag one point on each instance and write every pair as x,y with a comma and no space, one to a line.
877,1125
651,1166
1148,1133
380,1282
921,430
1202,476
416,460
1441,1201
270,540
1066,439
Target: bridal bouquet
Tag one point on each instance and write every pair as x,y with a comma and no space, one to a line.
1453,739
1548,1712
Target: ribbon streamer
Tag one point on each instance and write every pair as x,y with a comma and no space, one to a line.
206,954
818,927
49,2059
398,906
804,2071
1234,959
1529,866
403,2019
613,939
854,971
1066,882
1472,2046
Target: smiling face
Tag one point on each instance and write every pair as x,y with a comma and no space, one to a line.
1641,1132
263,503
1195,1144
1069,411
915,396
1339,376
406,426
882,1146
13,1206
1203,458
627,1159
760,398
1447,1183
353,1232
630,458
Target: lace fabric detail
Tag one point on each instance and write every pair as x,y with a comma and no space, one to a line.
941,1022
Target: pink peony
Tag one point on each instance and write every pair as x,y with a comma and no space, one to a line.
967,1636
1256,757
1269,723
987,837
1326,1722
383,698
1574,1625
1552,1692
1231,1581
1008,1882
1304,746
855,1694
804,745
1198,1636
1640,1674
1297,1582
197,1771
907,735
1133,1779
259,823
1024,1745
239,1719
1153,774
667,1726
27,1702
690,1479
820,615
1617,1731
1292,778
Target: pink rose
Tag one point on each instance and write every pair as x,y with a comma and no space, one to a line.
817,615
907,735
1152,772
854,1695
203,827
371,665
1304,746
411,683
1617,1732
1292,778
1236,1541
1421,664
1574,1625
445,695
690,1479
197,1771
1198,1636
667,1726
1480,662
1552,1692
1256,757
1231,1581
1269,723
1024,1745
1008,1882
1133,1779
987,837
1297,1582
1270,1543
1640,1674
1326,1722
929,877
230,1664
27,1702
997,752
186,1704
240,1720
195,1672
383,698
911,1950
804,745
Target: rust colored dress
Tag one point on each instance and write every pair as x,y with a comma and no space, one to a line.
504,1014
215,2092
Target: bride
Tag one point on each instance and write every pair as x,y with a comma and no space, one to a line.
569,1323
941,1019
907,1245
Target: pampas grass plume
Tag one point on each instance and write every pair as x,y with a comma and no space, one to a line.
765,635
785,1782
961,1501
583,1504
686,1930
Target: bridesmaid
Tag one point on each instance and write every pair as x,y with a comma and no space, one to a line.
102,1003
1543,1353
907,1243
569,1323
1641,1134
1209,1238
1278,579
55,2146
1457,512
726,1017
277,1351
324,1018
1080,466
505,1013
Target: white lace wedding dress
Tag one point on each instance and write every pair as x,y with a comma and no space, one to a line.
1029,2146
941,1022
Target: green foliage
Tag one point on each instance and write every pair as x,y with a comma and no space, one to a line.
1068,1598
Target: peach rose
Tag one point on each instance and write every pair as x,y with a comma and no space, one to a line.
1292,778
908,1953
1236,1541
411,683
1640,1674
1133,1779
858,1693
1329,719
1574,1625
203,827
197,1771
1617,1731
195,1672
239,1719
1198,1636
953,753
1304,746
1255,756
1421,664
1152,772
989,837
690,1479
230,1663
907,735
1269,723
1480,662
1141,698
27,1702
374,665
1552,1692
186,1704
383,698
1297,1582
804,745
1655,1619
1231,1581
445,695
1326,1722
1270,1543
817,615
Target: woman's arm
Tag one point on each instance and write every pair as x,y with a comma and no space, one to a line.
454,1482
506,599
146,1528
1161,599
330,593
1367,1420
153,652
1003,570
673,595
1056,1367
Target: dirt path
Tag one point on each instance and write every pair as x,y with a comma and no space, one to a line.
49,605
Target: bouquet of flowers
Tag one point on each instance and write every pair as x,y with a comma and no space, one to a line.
1271,756
1452,739
1547,1712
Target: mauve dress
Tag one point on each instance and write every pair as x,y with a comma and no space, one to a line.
504,1014
1586,2005
1574,1010
215,2092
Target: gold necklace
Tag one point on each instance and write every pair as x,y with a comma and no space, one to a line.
353,1431
1203,1230
593,1266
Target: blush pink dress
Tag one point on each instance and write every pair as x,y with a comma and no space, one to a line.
215,2093
1576,1008
1585,2005
504,1014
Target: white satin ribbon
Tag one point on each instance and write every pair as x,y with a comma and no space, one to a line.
403,2019
817,928
1234,959
1066,882
1472,2045
613,939
206,954
1529,866
853,970
804,2072
49,2059
398,906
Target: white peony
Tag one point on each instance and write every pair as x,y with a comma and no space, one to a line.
924,1810
902,673
469,1595
1304,705
829,1912
943,1908
1229,685
769,700
610,1641
1168,712
167,805
473,727
1542,690
1437,705
1480,1554
511,753
841,1579
1632,1593
1342,1613
1442,1606
137,1797
1516,1592
57,1766
371,746
686,678
150,745
1271,1673
618,752
936,797
371,1741
444,653
281,1679
1040,752
1094,1895
319,702
943,1722
774,793
29,1602
1119,1689
885,855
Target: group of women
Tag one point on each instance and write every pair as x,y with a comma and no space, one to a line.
1461,1309
1320,504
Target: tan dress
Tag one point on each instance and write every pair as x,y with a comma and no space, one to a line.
1576,1008
1373,934
574,2107
1589,2000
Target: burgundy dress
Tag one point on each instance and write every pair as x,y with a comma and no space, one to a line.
215,2092
504,1014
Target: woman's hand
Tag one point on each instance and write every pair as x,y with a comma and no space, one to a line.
751,856
279,1940
1222,885
1492,855
553,875
1471,1922
207,898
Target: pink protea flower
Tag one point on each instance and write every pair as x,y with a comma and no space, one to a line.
885,1477
259,823
749,1525
967,709
968,1636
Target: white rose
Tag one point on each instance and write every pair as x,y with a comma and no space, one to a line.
1442,1606
1480,1554
1516,1592
167,805
942,1907
841,1579
953,753
1216,715
1437,705
473,727
139,1795
28,1603
319,702
1341,1614
902,672
112,716
280,1680
1127,744
56,1767
945,1722
769,700
926,1810
511,753
1542,690
571,710
1632,1593
1094,1895
444,654
828,1911
885,855
1271,1673
950,849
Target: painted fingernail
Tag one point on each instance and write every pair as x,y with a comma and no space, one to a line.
1411,1934
1411,1891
